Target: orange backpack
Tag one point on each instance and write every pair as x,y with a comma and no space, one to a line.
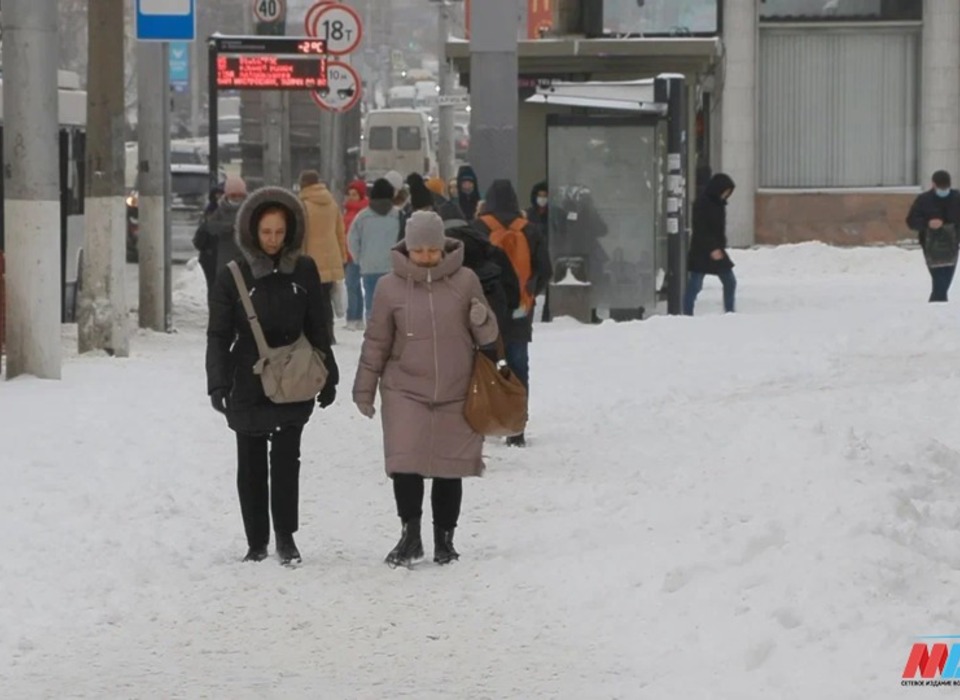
514,243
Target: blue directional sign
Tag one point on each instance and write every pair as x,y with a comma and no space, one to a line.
179,65
166,20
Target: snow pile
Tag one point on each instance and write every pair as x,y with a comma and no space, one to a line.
721,507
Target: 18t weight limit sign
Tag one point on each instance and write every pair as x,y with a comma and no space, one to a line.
339,25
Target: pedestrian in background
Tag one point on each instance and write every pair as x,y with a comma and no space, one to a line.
935,216
215,238
371,239
708,244
356,201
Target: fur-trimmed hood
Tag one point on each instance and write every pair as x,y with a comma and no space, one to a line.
260,263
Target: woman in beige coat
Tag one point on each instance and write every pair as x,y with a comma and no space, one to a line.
429,316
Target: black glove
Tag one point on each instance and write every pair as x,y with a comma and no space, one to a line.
327,396
218,399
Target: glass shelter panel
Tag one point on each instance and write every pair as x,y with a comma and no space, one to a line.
605,191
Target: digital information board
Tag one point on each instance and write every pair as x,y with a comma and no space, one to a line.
267,63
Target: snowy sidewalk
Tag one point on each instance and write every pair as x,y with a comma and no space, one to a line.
754,506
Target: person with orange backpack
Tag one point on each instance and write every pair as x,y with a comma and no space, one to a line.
504,225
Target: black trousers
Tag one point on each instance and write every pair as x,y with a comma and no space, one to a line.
281,495
445,497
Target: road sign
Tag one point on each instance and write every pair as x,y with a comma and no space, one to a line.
308,21
453,100
343,88
268,11
179,65
166,20
339,25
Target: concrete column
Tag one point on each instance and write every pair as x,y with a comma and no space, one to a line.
738,149
940,89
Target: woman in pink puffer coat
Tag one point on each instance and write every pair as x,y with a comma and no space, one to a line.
429,316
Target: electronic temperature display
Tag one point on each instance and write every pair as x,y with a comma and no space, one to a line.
252,72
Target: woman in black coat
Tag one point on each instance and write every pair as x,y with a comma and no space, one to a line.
708,245
289,301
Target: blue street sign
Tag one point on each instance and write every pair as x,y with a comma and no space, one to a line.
166,20
179,65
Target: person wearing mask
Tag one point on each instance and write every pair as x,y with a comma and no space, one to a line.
935,216
539,214
503,224
215,235
708,244
356,201
371,239
428,318
326,239
468,189
289,301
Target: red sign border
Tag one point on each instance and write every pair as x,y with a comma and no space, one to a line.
261,20
312,28
356,98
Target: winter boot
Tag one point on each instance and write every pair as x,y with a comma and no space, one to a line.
256,553
517,441
410,547
443,551
287,549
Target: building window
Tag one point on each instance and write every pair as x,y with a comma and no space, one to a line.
661,17
838,107
838,10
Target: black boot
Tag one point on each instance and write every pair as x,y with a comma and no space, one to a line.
257,553
443,551
287,549
410,547
517,441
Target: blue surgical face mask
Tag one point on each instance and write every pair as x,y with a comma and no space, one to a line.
943,194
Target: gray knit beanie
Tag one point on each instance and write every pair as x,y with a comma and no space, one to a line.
424,230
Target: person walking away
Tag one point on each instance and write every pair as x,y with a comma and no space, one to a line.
371,239
288,299
504,225
708,244
356,202
428,319
490,263
935,216
421,198
539,214
215,235
468,189
326,239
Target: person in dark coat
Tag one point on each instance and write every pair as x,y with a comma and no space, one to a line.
502,212
938,210
708,245
539,214
204,242
421,198
491,264
468,191
290,301
215,236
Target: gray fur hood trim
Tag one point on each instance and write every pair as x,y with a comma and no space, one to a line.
260,263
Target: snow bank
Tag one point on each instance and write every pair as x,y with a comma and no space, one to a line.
738,506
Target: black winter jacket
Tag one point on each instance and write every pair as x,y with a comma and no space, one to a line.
710,228
216,234
929,206
289,300
497,277
501,202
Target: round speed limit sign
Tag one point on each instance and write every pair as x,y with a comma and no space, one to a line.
267,11
343,88
339,25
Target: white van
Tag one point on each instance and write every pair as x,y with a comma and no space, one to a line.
397,139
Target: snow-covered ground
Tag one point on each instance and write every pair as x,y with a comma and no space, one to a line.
764,505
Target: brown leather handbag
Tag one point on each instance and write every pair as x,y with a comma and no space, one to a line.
496,400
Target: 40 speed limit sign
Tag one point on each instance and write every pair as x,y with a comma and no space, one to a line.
268,11
343,88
